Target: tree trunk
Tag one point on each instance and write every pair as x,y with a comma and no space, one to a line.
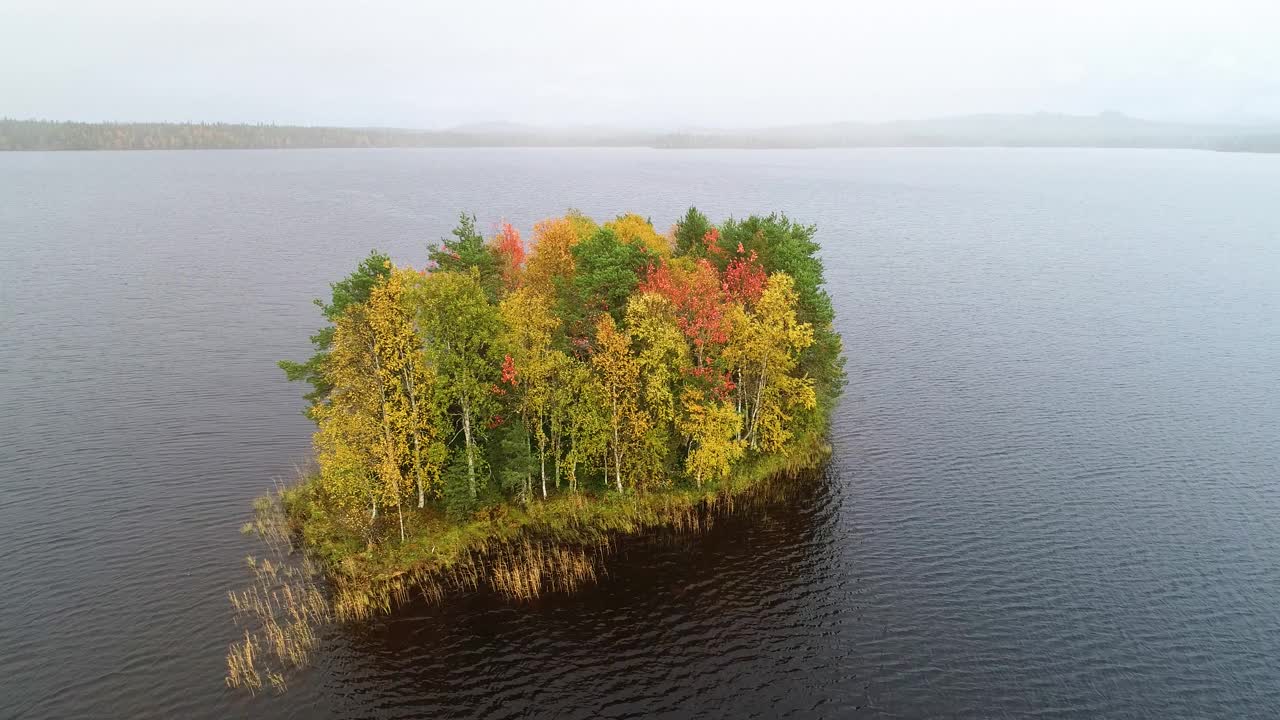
542,462
417,451
617,450
555,451
740,391
471,457
755,411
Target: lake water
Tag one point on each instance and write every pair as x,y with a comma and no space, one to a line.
1055,489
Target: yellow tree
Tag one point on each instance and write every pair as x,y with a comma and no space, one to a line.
583,226
552,258
618,373
359,460
632,228
528,328
413,398
765,347
585,418
662,352
712,427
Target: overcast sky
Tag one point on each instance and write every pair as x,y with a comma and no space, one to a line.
731,63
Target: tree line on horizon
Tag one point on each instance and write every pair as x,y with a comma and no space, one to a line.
602,359
971,131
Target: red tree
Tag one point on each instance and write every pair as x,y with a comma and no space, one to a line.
744,279
699,301
510,251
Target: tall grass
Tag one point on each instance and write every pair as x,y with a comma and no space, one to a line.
550,546
279,611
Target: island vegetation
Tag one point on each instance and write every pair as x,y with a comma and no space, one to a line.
501,415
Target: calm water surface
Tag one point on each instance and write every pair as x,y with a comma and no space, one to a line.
1055,491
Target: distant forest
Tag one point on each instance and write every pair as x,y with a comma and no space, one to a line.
1112,130
48,135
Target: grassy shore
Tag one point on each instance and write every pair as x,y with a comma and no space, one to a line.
519,551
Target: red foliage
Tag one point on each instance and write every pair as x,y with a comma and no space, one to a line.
698,299
495,422
509,371
711,241
510,252
744,279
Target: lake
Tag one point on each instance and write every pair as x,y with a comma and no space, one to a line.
1055,488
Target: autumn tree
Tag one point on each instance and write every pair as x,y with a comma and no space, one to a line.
457,325
361,444
587,411
402,360
765,348
783,245
531,366
508,253
583,226
619,373
662,354
712,426
695,292
551,261
351,290
349,422
635,230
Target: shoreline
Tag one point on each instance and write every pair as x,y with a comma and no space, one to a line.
519,552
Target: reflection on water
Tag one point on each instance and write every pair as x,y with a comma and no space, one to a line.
732,600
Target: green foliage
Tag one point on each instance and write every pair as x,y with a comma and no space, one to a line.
608,271
606,367
689,233
465,252
511,452
351,290
456,495
789,247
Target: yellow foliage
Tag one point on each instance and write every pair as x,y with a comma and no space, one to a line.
632,228
713,427
764,347
552,256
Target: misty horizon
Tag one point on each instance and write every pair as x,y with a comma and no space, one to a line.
657,65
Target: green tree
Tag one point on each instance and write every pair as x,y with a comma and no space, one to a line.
468,251
457,325
351,290
690,230
607,271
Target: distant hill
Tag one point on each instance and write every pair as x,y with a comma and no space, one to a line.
991,130
1038,130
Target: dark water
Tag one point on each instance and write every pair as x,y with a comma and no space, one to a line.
1055,490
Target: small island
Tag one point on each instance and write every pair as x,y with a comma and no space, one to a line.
500,416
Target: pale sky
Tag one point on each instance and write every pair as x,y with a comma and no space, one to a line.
659,63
